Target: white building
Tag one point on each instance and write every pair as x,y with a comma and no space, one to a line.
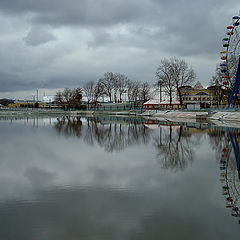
48,99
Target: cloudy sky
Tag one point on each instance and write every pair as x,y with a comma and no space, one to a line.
56,44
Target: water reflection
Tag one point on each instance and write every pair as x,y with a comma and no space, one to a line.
172,143
230,172
117,178
69,126
113,134
174,149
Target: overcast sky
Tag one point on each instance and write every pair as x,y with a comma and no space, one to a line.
56,44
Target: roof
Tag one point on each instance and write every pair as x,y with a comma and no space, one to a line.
198,85
186,87
157,102
214,87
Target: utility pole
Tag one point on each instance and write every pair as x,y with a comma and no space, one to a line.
37,95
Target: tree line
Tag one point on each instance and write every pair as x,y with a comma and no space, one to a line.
171,75
116,87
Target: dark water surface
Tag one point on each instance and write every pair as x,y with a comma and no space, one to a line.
117,178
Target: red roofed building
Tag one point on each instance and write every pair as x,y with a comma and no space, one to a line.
155,104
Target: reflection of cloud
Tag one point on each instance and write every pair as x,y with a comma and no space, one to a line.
152,126
75,213
40,178
108,196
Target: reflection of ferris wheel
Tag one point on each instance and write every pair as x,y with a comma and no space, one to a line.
230,67
230,174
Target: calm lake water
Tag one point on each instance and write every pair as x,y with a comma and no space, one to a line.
118,178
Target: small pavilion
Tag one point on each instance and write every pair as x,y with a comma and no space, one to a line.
155,104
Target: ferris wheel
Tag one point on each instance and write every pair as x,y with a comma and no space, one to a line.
230,67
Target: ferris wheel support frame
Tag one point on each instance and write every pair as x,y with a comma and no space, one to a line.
235,90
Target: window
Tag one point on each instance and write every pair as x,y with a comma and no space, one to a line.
201,93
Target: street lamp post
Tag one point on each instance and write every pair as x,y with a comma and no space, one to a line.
160,90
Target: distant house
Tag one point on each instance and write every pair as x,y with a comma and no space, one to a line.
4,102
200,96
48,99
26,104
155,104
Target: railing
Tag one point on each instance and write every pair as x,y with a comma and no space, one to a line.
118,107
115,108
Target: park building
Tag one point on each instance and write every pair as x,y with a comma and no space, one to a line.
199,97
26,104
193,98
32,104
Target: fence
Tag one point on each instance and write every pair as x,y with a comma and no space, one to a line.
115,108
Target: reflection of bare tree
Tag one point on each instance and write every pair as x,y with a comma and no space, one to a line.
116,136
111,134
88,137
173,148
69,126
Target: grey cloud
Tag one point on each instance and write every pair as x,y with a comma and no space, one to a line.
100,38
84,12
16,85
180,28
113,34
72,80
12,82
38,36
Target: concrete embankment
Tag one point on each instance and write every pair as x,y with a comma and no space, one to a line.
226,116
184,115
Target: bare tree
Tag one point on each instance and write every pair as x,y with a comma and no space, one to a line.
164,74
76,98
217,78
69,98
184,75
107,83
115,87
133,88
217,82
67,95
98,92
145,91
59,97
172,74
88,89
121,81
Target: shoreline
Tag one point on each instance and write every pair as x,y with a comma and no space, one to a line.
216,115
226,117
